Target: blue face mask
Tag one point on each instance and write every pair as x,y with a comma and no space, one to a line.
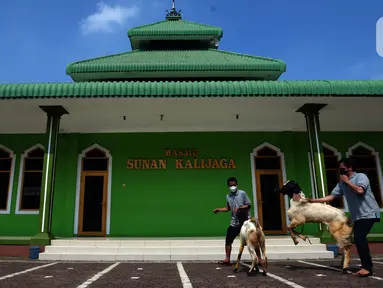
233,188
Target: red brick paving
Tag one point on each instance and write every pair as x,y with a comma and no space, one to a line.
21,251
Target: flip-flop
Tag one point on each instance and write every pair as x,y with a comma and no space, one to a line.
223,262
363,275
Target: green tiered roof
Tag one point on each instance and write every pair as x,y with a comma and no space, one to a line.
174,28
178,28
132,89
175,64
175,49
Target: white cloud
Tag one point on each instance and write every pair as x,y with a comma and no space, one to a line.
108,16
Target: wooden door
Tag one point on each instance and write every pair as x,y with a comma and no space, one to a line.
93,203
271,204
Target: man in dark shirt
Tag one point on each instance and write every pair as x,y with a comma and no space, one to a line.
239,204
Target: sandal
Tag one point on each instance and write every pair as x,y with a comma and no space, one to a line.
363,275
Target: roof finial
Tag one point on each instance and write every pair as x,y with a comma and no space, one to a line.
173,14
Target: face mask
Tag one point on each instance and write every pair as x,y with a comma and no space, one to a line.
343,171
233,188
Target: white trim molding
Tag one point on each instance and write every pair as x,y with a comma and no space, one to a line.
254,182
11,177
78,186
20,184
339,156
377,161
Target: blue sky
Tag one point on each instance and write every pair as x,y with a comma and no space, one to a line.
327,39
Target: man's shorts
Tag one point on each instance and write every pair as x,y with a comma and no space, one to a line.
231,233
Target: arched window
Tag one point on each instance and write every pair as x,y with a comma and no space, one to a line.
331,158
367,162
31,173
95,160
269,175
267,159
6,178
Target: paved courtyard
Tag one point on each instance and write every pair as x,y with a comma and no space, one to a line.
292,273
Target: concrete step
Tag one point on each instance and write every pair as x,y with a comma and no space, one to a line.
170,243
176,249
114,249
178,257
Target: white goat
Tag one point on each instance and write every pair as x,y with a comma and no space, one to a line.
252,236
301,211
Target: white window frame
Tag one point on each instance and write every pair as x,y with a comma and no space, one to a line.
11,179
377,161
21,182
78,186
254,181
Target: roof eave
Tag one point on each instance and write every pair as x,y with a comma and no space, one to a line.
164,75
135,41
317,88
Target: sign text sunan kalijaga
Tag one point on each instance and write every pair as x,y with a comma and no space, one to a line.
184,159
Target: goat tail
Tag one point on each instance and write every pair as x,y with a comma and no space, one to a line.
343,235
253,235
256,223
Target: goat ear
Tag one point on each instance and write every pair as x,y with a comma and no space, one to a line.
286,182
304,200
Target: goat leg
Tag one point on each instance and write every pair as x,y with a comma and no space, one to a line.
346,259
293,236
253,258
263,249
343,236
259,257
300,235
303,237
241,247
294,224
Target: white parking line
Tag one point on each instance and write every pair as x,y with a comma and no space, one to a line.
373,261
184,277
280,279
335,269
98,275
26,271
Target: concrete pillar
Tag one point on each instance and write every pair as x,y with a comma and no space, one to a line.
317,167
54,114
